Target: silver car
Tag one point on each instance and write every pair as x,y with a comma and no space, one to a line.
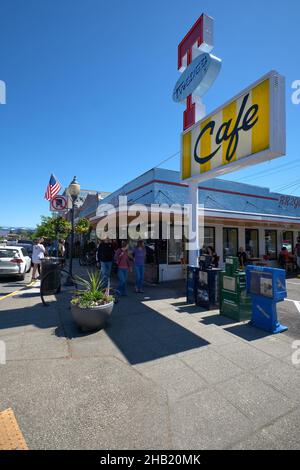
14,261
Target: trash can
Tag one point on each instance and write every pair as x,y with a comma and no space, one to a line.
50,283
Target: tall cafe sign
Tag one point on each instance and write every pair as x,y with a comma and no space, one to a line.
248,129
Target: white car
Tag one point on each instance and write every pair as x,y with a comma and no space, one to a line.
14,261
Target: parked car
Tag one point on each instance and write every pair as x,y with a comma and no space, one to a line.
14,261
27,245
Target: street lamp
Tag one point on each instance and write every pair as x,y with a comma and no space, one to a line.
73,191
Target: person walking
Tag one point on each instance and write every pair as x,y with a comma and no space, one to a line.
243,257
214,256
139,254
105,257
123,263
38,253
297,252
61,251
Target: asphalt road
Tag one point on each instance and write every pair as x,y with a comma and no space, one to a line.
289,310
11,284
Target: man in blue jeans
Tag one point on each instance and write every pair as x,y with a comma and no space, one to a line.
105,256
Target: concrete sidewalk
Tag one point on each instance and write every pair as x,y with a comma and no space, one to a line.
161,376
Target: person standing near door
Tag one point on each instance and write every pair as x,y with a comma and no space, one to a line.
297,252
123,263
139,254
105,257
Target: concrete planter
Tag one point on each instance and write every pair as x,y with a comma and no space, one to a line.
94,318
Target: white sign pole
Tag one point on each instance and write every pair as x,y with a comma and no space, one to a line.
194,201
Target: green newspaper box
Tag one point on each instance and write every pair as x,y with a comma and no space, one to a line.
235,303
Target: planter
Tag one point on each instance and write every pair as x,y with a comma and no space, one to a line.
94,318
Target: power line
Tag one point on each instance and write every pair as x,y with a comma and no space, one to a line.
167,159
273,171
286,186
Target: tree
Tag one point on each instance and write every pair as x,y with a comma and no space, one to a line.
83,226
53,228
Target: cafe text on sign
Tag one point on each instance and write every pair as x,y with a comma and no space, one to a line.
248,129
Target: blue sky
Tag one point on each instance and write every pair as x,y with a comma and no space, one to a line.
89,89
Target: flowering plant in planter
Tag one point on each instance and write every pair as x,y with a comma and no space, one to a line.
92,305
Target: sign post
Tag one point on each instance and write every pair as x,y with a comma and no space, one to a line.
59,204
199,70
248,129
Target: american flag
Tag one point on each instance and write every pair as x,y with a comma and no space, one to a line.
53,188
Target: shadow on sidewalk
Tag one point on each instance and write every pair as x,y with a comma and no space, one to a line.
141,333
247,332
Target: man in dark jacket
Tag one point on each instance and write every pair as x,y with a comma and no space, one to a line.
105,257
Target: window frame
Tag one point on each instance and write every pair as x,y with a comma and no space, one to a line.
237,241
214,235
276,243
252,230
292,241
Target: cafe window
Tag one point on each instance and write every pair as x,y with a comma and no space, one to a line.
287,240
251,237
175,251
175,248
230,242
271,244
209,236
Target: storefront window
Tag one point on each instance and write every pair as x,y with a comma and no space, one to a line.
230,242
287,240
174,251
251,237
271,244
209,236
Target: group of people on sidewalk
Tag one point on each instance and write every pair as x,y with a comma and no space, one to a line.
125,260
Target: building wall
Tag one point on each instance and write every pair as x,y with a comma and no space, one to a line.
226,203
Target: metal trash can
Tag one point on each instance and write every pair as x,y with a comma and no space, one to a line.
51,283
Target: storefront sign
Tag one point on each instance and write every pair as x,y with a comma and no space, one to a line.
289,201
248,129
198,77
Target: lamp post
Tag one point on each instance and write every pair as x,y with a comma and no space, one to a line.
73,190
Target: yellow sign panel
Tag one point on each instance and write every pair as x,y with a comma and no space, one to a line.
248,129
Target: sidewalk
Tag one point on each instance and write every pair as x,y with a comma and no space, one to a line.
161,376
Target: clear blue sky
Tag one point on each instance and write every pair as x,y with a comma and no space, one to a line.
89,86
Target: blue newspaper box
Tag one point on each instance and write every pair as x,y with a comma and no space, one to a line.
191,284
267,287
